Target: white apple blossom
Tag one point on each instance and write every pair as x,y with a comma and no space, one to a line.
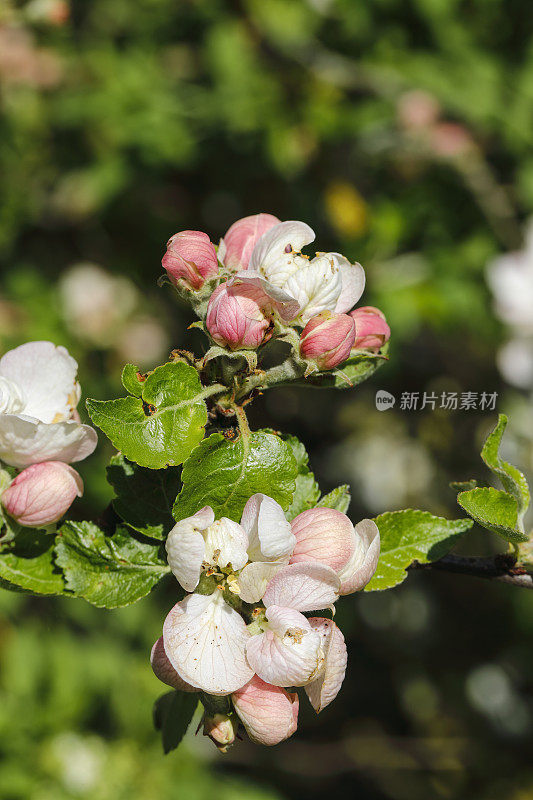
206,639
38,398
302,287
510,278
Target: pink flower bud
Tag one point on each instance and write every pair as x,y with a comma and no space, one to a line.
242,237
268,713
190,257
42,493
327,536
328,339
371,329
221,729
235,316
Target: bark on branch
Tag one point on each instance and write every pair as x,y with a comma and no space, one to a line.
503,568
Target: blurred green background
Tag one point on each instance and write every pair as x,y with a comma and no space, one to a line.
402,132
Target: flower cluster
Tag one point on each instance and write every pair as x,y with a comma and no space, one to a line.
40,433
244,627
260,276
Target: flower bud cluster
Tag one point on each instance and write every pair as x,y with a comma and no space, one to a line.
40,433
242,630
260,278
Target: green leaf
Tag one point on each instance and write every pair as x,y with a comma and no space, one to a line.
130,380
306,492
161,427
354,371
173,713
108,571
495,510
408,536
246,359
145,497
27,562
224,474
339,499
463,486
513,481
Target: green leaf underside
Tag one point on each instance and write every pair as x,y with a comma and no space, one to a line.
408,536
354,371
28,563
495,510
107,571
130,381
512,479
145,497
173,713
338,499
306,492
224,474
163,437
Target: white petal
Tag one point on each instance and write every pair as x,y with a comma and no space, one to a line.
289,653
326,687
269,533
185,553
305,586
205,642
286,306
317,286
46,374
362,565
25,441
353,284
221,252
254,579
276,245
11,397
225,544
164,670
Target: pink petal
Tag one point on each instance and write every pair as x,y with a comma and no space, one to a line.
324,535
268,713
164,670
304,587
289,652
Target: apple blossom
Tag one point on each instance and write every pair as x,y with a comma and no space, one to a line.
205,637
269,713
38,398
371,329
328,339
236,316
42,493
303,287
190,257
326,536
236,247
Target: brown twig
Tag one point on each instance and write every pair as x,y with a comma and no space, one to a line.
502,568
